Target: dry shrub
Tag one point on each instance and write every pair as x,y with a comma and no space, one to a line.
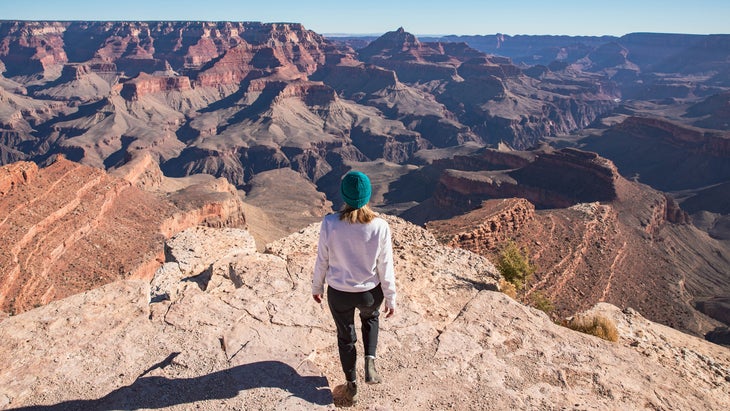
508,288
597,325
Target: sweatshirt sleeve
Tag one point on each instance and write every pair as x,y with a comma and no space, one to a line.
322,263
386,271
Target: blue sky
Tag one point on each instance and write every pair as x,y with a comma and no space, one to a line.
586,17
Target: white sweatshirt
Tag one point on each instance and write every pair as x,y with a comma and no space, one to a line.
354,257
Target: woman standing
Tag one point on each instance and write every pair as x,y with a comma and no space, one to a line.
355,258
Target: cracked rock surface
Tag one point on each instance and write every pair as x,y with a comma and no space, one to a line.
239,330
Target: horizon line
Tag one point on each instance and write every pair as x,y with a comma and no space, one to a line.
344,34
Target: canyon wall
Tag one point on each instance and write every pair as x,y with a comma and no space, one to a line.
29,47
686,138
486,228
548,178
74,228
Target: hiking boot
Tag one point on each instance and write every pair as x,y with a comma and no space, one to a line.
351,391
371,374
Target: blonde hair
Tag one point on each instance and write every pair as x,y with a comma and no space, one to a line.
362,215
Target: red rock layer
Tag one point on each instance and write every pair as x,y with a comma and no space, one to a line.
72,228
147,84
222,53
548,178
487,227
615,252
75,71
15,174
32,47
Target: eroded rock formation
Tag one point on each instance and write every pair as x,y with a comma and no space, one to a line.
213,90
665,154
547,178
146,84
486,228
692,140
29,47
489,93
16,174
614,251
71,228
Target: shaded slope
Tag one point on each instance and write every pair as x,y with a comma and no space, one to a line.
664,154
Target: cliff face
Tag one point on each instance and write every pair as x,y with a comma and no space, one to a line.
145,84
141,46
487,159
32,47
685,138
577,175
548,179
188,65
74,228
665,154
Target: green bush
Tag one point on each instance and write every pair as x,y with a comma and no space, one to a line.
542,303
597,325
514,265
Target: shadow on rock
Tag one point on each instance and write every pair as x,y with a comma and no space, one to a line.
479,285
160,392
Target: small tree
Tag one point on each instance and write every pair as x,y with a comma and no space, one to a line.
515,266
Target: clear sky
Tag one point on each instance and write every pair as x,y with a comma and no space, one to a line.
570,17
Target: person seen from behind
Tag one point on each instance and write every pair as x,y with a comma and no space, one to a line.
355,259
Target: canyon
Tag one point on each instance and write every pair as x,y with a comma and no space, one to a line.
206,97
606,158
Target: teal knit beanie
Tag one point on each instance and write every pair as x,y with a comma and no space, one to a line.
355,189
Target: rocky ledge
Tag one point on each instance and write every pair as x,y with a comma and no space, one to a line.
222,326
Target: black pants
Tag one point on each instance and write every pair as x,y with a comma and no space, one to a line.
342,305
